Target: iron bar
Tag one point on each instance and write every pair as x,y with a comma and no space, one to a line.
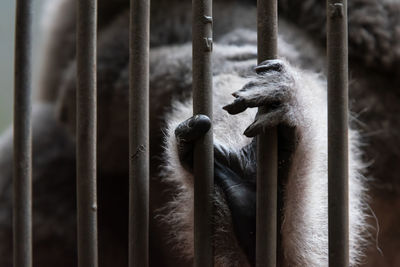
204,150
22,214
139,134
267,147
86,133
338,133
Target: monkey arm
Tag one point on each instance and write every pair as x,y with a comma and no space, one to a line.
296,100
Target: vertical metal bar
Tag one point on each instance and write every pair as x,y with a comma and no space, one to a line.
267,147
204,150
22,229
86,133
338,133
139,134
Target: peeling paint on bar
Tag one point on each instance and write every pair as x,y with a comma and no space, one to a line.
267,147
22,183
338,182
204,150
86,133
139,133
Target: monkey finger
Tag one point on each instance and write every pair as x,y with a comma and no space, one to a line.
237,106
265,121
243,101
269,65
192,128
186,133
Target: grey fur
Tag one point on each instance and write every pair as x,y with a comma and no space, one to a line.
375,68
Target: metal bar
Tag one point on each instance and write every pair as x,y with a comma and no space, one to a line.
139,134
204,150
338,133
267,147
22,229
86,133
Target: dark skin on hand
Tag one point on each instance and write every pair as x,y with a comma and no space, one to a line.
236,181
235,172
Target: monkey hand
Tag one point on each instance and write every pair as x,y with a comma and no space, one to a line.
233,173
272,88
186,134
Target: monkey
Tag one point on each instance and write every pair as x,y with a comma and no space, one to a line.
292,87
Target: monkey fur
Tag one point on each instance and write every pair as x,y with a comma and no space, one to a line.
293,88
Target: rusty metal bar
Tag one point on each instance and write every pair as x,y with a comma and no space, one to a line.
204,151
22,216
139,134
338,133
86,133
267,147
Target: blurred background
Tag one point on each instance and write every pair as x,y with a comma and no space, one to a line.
7,20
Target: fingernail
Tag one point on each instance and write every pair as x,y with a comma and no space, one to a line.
248,132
